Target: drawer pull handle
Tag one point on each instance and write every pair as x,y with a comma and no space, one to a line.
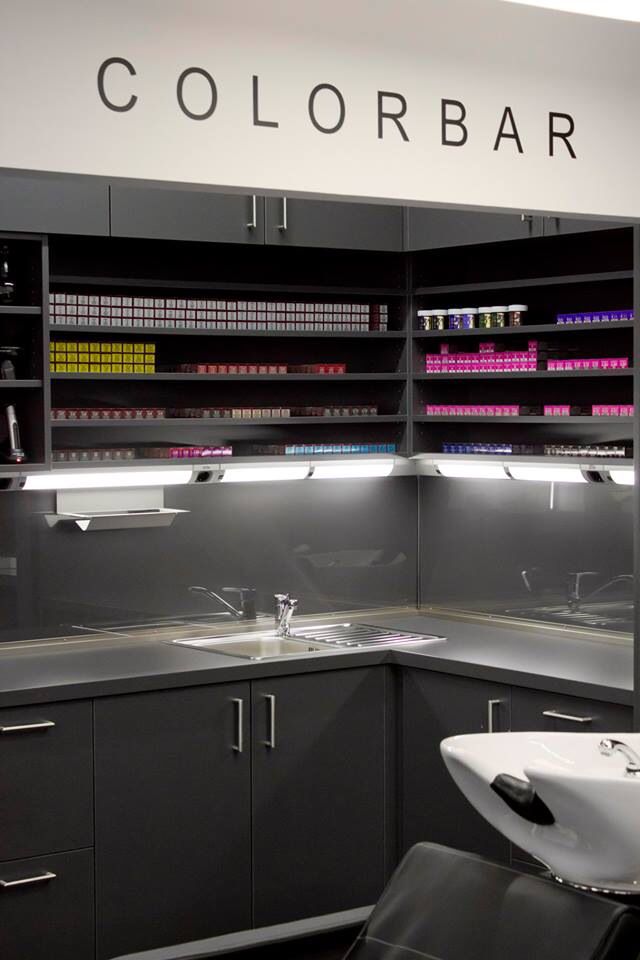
271,735
556,715
253,223
26,727
238,746
284,226
491,706
25,881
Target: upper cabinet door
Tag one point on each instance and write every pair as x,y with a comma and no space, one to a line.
325,223
162,214
554,226
54,204
428,229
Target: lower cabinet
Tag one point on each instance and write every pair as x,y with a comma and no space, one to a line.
435,706
173,828
539,710
318,793
47,906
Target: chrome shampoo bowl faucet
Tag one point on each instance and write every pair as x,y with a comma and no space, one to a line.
285,609
609,747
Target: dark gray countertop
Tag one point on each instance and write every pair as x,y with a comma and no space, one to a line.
546,659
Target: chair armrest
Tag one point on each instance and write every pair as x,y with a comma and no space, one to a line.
231,943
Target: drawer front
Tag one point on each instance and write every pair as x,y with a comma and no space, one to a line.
46,779
46,908
538,710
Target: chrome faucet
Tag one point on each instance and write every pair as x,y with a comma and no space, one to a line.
247,609
610,747
285,609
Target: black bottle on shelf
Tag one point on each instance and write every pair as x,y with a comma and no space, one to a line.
7,286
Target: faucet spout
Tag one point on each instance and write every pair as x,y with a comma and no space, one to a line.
285,609
608,748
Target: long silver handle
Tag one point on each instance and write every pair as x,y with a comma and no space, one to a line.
491,705
238,746
555,715
253,223
271,729
26,727
25,881
285,216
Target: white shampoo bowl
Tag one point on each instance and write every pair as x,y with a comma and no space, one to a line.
591,837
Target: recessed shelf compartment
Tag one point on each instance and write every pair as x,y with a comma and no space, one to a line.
495,286
235,377
528,330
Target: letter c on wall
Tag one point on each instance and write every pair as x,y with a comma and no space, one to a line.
118,107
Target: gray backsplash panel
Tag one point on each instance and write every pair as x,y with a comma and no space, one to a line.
335,545
513,548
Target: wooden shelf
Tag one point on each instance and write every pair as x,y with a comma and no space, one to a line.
235,377
524,375
526,283
274,334
528,330
224,422
267,288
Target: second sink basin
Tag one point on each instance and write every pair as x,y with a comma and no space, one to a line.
316,639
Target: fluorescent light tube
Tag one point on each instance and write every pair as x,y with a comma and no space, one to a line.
345,469
609,9
546,474
102,479
626,477
252,474
471,471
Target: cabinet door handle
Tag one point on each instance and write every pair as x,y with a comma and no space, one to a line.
491,706
253,223
284,226
238,746
271,722
556,715
25,881
26,727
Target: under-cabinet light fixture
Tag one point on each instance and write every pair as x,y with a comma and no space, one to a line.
264,472
103,479
546,474
625,477
343,470
471,471
609,9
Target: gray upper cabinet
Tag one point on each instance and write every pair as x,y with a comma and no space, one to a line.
428,229
325,223
163,214
54,204
555,226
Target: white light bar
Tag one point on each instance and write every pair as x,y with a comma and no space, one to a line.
546,474
610,9
471,471
103,479
267,471
338,470
625,477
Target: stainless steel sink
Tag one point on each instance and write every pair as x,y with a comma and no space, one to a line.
305,640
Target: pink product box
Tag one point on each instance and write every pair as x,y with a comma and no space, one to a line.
612,410
557,410
472,410
605,363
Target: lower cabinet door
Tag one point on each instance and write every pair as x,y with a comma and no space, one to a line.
318,793
173,836
435,706
539,710
47,907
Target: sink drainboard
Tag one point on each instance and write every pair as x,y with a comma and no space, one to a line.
361,635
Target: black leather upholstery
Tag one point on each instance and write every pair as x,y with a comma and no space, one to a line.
444,905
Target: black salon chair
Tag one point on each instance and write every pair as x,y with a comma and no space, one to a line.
441,904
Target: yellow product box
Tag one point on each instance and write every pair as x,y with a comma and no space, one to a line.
72,354
94,368
105,348
138,368
116,368
72,368
138,348
83,346
60,347
127,348
94,348
116,347
83,358
83,368
105,367
149,348
60,367
149,368
127,368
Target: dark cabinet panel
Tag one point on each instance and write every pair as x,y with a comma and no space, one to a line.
538,710
325,223
172,817
435,706
63,204
46,908
428,229
318,793
556,226
163,214
46,779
